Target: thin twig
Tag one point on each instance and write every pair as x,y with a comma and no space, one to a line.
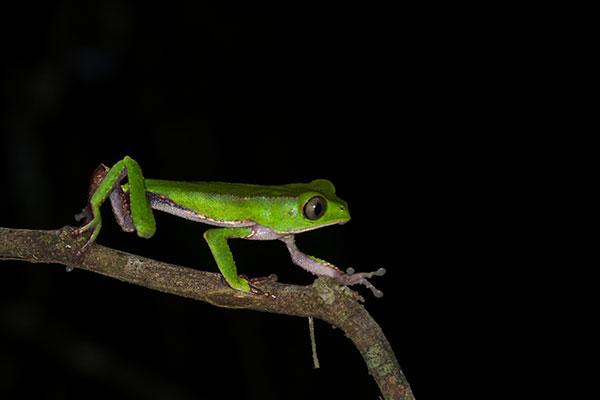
313,343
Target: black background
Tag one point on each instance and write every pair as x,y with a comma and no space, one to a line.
413,113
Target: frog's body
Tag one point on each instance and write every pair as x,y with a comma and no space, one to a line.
245,205
246,211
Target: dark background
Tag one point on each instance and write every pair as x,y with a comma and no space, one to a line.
413,113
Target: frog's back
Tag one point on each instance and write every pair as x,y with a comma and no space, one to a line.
228,202
240,190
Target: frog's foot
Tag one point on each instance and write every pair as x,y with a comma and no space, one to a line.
87,244
257,281
260,279
95,226
360,278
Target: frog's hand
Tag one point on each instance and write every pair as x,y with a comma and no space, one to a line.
353,278
323,268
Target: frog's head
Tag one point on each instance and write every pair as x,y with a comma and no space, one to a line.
318,206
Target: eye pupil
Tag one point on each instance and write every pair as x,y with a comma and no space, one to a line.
314,208
318,208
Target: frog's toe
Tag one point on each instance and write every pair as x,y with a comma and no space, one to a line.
254,281
360,278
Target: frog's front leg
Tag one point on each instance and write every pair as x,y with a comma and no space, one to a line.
323,268
217,241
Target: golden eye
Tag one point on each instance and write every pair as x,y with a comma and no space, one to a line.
314,208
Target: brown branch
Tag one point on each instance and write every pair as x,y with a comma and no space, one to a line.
325,299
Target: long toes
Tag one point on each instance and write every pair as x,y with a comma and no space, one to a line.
353,278
376,292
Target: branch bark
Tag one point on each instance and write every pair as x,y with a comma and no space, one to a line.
325,299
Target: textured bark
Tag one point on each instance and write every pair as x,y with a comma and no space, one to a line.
325,299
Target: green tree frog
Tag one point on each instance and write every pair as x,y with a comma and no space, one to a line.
254,212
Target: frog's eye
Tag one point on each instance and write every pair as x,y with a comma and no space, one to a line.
314,208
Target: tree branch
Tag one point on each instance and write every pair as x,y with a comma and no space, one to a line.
325,299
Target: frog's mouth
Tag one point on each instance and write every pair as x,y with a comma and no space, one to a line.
312,228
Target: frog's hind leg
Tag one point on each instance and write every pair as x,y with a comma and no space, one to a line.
119,200
130,207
